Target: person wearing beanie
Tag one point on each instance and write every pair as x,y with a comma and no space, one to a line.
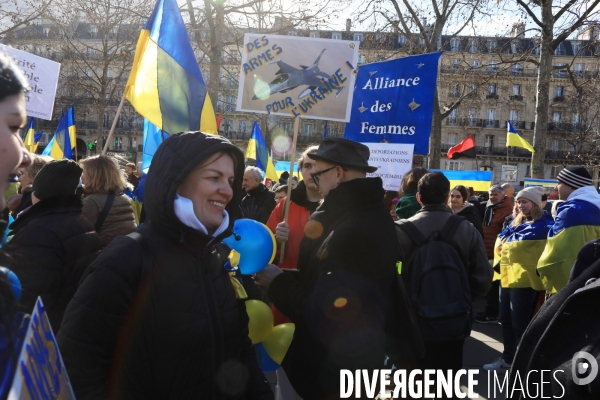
189,338
518,249
53,243
577,222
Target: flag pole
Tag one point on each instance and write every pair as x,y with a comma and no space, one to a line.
114,124
289,188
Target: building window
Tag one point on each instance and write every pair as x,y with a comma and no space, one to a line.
313,35
491,118
489,141
528,170
360,59
472,113
576,48
474,63
455,64
452,117
46,32
515,116
242,127
491,46
308,129
492,88
287,127
556,116
579,68
516,90
292,33
401,40
452,139
560,73
492,66
473,46
515,47
422,42
454,165
455,45
358,37
517,69
559,91
336,36
575,119
560,50
555,170
454,91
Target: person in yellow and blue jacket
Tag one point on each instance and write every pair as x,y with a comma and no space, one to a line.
518,248
577,222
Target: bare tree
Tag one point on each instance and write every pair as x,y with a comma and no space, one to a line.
15,14
555,20
96,45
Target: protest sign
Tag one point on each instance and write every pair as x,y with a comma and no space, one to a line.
392,162
545,183
393,101
297,76
480,181
40,372
509,173
43,78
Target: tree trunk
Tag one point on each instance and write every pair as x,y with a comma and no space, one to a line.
216,47
435,139
543,95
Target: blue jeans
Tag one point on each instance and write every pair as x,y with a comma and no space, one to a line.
516,311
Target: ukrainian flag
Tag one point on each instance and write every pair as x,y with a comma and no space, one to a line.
62,143
166,85
31,138
514,139
522,248
257,150
480,181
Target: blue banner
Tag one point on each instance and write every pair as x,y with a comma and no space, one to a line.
393,100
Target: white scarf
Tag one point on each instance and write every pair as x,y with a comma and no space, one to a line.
586,193
184,210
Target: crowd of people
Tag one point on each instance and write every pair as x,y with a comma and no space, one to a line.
153,311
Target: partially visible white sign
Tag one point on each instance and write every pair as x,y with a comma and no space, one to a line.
509,173
43,79
392,160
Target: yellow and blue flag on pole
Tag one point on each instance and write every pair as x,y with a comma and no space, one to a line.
257,150
32,138
514,139
166,85
153,137
62,143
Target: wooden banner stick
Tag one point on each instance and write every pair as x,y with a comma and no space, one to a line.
289,188
114,124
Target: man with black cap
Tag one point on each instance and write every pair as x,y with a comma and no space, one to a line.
53,243
339,296
577,222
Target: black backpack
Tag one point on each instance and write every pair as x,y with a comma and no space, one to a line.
437,283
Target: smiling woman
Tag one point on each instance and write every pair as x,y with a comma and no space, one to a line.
169,294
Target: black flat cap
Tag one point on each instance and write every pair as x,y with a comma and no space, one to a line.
344,152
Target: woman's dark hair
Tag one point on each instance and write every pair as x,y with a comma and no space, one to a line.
411,179
12,80
463,192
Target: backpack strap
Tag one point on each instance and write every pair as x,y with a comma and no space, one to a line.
145,252
412,231
449,230
105,210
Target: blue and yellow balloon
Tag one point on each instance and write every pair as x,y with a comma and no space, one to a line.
255,243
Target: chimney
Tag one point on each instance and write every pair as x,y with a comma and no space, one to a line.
348,24
518,29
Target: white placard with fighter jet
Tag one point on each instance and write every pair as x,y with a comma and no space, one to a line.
297,76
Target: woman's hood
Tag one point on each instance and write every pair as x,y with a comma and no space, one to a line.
175,158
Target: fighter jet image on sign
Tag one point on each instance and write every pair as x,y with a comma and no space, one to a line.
289,78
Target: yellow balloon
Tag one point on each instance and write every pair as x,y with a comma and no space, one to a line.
261,320
278,342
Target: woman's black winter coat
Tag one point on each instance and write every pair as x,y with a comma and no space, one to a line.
177,333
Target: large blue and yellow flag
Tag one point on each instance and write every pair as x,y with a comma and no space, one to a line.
153,137
523,245
166,85
62,143
514,139
257,150
32,138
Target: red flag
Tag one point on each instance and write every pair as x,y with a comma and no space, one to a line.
466,148
219,121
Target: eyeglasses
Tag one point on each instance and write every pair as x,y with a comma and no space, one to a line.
317,175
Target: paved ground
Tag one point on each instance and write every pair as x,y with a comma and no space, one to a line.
484,346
